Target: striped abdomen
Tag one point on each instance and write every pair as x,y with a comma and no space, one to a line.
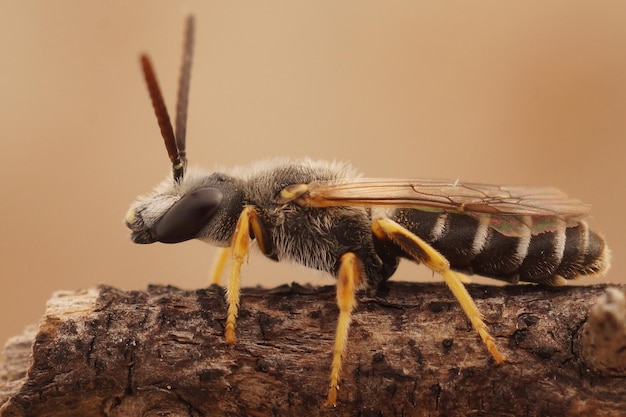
471,246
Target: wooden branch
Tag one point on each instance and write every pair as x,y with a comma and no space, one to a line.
411,352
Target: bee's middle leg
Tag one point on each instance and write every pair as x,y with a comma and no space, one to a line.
348,281
388,230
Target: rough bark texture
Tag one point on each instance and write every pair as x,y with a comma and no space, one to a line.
411,352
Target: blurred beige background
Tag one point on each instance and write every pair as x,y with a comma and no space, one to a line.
515,93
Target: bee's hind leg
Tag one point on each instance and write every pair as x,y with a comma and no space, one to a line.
388,230
348,281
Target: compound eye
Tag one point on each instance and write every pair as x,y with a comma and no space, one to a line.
185,219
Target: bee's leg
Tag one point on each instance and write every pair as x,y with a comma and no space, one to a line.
387,229
248,221
348,281
463,278
239,249
220,264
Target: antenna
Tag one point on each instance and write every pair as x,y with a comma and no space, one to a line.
174,143
183,91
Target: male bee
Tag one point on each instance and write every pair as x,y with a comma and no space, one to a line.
327,217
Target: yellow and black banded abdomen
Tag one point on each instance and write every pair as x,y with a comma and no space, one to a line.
471,246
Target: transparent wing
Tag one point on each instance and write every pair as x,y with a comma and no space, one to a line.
512,210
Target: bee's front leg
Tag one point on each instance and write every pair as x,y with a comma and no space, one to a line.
239,249
389,230
248,222
220,264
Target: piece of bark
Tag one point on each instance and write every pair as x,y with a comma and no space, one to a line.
411,352
604,335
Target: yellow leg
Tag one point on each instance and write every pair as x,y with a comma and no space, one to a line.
464,278
240,246
426,254
348,281
219,265
472,313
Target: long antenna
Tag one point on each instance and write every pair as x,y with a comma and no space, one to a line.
183,91
175,144
160,110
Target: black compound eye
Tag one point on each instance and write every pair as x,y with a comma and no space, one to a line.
188,216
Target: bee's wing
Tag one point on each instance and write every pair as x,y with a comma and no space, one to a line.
512,210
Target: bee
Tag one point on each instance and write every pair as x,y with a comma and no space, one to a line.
326,216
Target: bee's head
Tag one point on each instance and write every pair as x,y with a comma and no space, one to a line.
200,205
182,206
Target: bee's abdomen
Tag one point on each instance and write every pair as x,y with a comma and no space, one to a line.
470,245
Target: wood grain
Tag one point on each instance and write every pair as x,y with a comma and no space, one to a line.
411,352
